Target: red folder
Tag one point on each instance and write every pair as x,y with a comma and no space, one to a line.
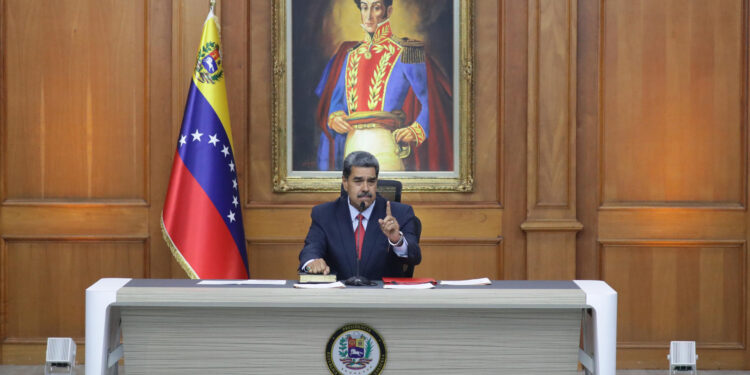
408,280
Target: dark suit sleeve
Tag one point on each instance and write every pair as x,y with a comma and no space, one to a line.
315,242
407,223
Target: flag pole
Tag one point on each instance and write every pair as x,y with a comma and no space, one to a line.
211,5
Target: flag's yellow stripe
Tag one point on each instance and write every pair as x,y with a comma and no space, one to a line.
215,93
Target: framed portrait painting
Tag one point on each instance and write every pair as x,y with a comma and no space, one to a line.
391,77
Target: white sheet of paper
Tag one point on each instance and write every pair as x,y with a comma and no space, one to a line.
242,282
409,286
482,281
337,284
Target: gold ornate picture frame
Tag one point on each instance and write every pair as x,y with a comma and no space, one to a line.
313,74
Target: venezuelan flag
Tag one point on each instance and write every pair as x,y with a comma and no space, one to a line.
202,216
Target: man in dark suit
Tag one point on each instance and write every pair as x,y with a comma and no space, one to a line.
360,224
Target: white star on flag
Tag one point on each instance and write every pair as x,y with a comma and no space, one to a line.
182,140
234,201
225,151
231,166
214,140
197,135
231,216
234,183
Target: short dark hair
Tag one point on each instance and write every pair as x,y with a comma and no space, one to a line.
361,159
387,3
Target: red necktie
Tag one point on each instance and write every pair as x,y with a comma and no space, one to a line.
359,236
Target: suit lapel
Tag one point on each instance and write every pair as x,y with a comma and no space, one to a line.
372,232
344,220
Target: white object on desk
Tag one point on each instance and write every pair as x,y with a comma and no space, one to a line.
335,285
482,281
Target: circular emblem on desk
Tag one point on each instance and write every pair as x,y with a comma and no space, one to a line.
355,349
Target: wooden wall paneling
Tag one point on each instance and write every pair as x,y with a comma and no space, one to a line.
50,300
274,258
259,101
746,139
514,68
587,139
673,115
670,222
480,261
551,165
488,156
160,117
460,259
679,290
75,170
73,219
74,121
3,192
672,175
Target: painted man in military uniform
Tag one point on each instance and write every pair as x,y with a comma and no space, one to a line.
382,95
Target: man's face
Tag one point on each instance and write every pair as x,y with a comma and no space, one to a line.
373,12
361,186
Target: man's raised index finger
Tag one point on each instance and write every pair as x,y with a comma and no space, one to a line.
388,208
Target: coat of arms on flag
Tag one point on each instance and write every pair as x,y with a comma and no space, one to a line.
208,68
202,215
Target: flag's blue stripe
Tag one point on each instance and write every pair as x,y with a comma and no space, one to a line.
208,164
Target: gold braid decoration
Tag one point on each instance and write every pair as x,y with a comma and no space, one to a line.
412,55
413,50
378,77
351,80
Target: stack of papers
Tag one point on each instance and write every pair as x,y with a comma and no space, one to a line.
482,281
337,284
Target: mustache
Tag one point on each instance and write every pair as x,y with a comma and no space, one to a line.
364,194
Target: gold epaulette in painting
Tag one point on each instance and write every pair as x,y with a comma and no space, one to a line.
413,52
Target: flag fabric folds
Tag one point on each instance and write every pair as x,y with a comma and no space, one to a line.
202,216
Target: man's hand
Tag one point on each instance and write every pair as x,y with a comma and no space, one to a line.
389,225
404,135
339,125
318,266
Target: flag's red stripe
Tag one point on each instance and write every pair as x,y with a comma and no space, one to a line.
198,230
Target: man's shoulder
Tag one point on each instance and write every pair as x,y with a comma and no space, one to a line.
326,208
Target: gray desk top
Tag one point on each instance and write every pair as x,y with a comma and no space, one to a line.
500,294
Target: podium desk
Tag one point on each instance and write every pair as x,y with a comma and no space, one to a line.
509,327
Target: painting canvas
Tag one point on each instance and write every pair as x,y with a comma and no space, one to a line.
375,75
